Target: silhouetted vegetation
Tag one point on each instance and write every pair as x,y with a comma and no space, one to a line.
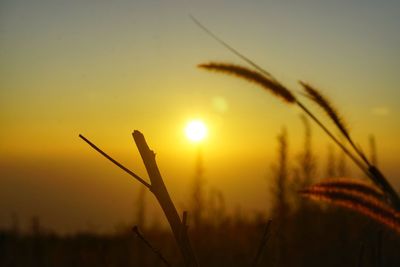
292,232
302,233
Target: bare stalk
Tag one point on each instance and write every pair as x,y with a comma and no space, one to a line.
131,173
135,229
370,170
160,192
385,186
230,48
334,139
264,240
158,188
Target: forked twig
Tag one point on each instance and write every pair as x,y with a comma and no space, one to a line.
161,193
135,229
158,188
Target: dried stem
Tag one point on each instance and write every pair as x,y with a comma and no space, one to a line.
230,48
131,173
323,102
135,229
371,171
334,139
158,188
160,192
317,97
263,242
383,183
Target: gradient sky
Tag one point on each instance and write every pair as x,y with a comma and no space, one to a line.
105,68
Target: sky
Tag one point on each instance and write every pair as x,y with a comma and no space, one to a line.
106,68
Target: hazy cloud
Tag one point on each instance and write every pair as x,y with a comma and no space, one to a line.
220,104
380,111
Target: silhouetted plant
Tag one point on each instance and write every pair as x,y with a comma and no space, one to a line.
158,188
372,146
280,198
330,162
197,200
268,82
307,160
141,207
357,196
136,230
342,170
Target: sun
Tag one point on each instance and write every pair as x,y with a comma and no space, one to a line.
196,130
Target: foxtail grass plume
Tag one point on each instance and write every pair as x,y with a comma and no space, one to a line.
322,101
356,200
352,185
252,76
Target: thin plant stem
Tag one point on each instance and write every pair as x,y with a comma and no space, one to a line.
131,173
184,218
358,150
158,188
259,68
371,171
135,229
385,186
230,48
164,199
334,139
264,240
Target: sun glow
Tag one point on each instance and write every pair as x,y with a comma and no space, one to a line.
196,130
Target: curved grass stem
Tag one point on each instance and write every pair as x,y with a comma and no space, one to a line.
370,170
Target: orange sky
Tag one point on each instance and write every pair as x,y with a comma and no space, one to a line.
104,69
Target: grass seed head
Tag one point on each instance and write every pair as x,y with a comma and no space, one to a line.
252,76
317,97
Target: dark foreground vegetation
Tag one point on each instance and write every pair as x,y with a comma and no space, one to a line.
366,233
320,237
302,233
294,231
